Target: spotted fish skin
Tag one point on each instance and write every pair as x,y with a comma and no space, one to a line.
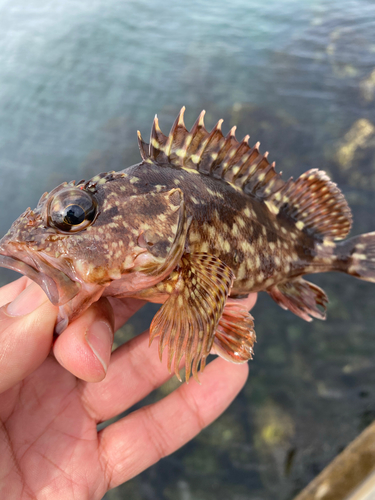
231,225
202,221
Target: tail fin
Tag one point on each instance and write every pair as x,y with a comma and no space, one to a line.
356,256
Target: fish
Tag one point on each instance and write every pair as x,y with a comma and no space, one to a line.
202,221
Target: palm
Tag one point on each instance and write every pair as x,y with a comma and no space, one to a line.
52,437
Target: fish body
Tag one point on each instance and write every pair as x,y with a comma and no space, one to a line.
202,221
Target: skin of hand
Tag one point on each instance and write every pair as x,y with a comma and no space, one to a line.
52,400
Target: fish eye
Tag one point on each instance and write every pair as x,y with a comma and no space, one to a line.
72,210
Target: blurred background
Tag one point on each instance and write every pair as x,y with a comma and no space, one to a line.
79,77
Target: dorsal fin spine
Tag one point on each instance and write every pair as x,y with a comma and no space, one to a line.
181,117
218,166
235,156
143,147
269,187
185,147
219,124
201,118
247,166
173,134
205,156
157,140
197,133
202,148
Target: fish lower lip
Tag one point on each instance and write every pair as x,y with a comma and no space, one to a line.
49,286
44,281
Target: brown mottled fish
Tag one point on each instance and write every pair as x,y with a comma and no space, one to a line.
202,221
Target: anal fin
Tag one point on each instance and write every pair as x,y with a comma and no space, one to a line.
301,298
235,336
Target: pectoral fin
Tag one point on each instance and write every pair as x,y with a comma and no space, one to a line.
188,319
301,298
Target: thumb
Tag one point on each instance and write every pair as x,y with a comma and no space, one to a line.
26,333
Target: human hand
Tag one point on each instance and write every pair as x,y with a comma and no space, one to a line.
49,444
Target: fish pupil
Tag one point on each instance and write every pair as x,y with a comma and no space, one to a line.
74,215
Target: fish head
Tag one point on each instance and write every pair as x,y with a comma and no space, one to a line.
87,236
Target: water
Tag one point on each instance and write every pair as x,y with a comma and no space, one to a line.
79,77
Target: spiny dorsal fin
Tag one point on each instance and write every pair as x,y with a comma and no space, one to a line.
315,203
212,154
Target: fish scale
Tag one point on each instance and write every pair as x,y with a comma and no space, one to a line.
200,222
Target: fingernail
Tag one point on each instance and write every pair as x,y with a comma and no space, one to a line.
27,301
99,338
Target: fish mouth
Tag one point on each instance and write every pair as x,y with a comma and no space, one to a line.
58,287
